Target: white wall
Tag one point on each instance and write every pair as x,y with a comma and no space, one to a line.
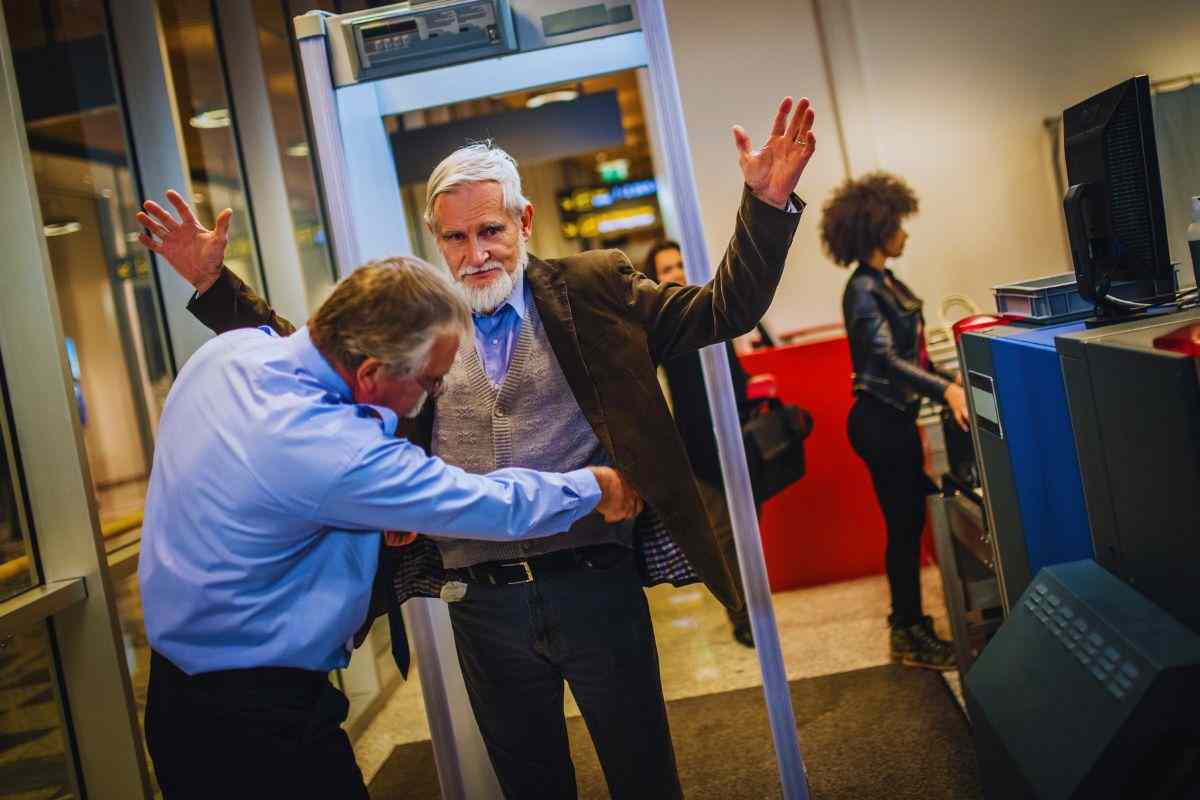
952,94
735,62
957,92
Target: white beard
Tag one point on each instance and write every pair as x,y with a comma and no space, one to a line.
420,404
486,299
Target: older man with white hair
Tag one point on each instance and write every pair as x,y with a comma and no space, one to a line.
561,374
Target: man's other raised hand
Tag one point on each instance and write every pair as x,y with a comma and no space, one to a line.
773,170
192,250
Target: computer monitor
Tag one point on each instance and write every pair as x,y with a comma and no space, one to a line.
1114,204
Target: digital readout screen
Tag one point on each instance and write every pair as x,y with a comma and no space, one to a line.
387,36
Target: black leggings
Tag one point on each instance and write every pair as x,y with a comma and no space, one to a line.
886,439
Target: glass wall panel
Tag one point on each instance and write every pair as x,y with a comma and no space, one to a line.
201,95
106,292
17,571
34,760
287,112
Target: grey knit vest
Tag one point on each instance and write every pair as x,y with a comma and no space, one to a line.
530,420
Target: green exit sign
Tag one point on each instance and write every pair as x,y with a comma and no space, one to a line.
614,171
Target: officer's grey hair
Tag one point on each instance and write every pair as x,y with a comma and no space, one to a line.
392,309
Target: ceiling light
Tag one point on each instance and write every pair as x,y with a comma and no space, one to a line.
559,96
213,118
298,150
61,227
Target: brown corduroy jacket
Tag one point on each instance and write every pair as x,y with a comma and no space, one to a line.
610,326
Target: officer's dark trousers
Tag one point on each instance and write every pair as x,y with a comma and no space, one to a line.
248,733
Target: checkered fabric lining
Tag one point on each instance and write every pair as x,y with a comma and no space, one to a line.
662,560
417,569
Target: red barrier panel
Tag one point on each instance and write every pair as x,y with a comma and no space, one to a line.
826,527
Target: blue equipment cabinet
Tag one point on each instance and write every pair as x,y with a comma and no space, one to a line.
1026,449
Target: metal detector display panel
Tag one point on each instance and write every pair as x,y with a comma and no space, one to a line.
406,39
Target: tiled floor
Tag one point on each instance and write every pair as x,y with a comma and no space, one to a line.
823,630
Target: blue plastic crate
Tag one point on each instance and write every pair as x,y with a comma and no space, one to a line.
1054,298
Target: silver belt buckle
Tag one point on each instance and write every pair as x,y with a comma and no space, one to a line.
524,565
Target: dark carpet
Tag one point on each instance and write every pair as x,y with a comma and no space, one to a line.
885,732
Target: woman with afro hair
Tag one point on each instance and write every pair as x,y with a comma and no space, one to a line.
862,225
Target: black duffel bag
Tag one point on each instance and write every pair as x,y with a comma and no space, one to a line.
773,434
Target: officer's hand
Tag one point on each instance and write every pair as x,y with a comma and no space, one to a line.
618,500
398,538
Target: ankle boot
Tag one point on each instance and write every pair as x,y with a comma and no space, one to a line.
919,646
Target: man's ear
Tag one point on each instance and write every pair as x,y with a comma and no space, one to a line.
366,379
527,221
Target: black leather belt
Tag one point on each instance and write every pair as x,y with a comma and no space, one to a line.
246,679
507,573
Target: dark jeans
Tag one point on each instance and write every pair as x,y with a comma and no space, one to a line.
887,440
248,733
591,628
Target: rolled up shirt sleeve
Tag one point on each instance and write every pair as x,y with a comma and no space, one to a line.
394,485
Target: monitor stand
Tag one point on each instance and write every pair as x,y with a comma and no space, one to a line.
1111,314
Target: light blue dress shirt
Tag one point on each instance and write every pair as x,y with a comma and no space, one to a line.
496,333
267,495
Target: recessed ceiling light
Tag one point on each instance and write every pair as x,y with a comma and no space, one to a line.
298,150
213,118
61,227
558,96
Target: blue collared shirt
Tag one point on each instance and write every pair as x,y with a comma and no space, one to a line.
496,333
267,495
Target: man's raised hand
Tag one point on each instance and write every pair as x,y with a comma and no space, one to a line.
773,170
192,250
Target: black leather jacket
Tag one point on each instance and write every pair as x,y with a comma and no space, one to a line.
886,331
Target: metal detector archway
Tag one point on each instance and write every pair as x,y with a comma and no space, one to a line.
365,218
